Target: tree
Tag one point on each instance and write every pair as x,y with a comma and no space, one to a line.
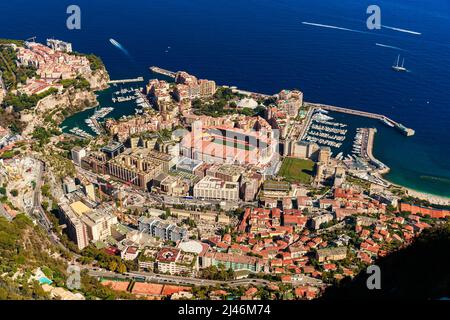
122,268
45,189
14,192
112,266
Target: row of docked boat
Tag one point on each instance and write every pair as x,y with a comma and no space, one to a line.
124,95
326,135
324,131
328,129
81,133
325,142
357,142
98,114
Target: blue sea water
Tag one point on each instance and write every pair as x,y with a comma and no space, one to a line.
262,45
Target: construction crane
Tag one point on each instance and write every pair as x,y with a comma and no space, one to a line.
32,38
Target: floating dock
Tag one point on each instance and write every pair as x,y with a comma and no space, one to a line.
407,131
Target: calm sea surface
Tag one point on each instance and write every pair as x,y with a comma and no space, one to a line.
262,45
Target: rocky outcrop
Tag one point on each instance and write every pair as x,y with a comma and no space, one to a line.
98,79
70,100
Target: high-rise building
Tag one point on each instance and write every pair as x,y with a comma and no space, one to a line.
89,190
207,87
78,153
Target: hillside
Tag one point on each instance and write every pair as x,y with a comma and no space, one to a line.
419,271
23,248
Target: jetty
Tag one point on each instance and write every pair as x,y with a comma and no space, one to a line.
162,71
407,131
383,169
138,79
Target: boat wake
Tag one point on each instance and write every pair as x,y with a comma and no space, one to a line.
331,27
402,30
118,46
388,46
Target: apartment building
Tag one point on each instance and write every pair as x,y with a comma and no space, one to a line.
139,166
214,188
161,229
85,224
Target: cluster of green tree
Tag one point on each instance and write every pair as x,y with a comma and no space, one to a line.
416,272
23,101
13,74
218,109
11,120
191,223
217,273
78,83
43,135
69,144
93,289
95,61
19,43
60,164
23,248
106,261
165,133
9,154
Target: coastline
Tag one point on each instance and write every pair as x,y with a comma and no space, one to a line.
432,198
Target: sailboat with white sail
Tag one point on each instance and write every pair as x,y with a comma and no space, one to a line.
399,68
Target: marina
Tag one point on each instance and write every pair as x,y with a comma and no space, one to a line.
92,121
323,131
407,131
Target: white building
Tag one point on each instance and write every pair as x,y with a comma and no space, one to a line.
78,154
59,45
214,188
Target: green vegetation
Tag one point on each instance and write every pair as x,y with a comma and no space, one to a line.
11,73
95,61
222,104
93,289
43,136
11,120
19,43
78,83
69,144
297,170
23,248
106,261
9,154
23,101
217,273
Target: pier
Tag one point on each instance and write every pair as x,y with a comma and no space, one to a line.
383,169
97,125
162,71
138,79
407,131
